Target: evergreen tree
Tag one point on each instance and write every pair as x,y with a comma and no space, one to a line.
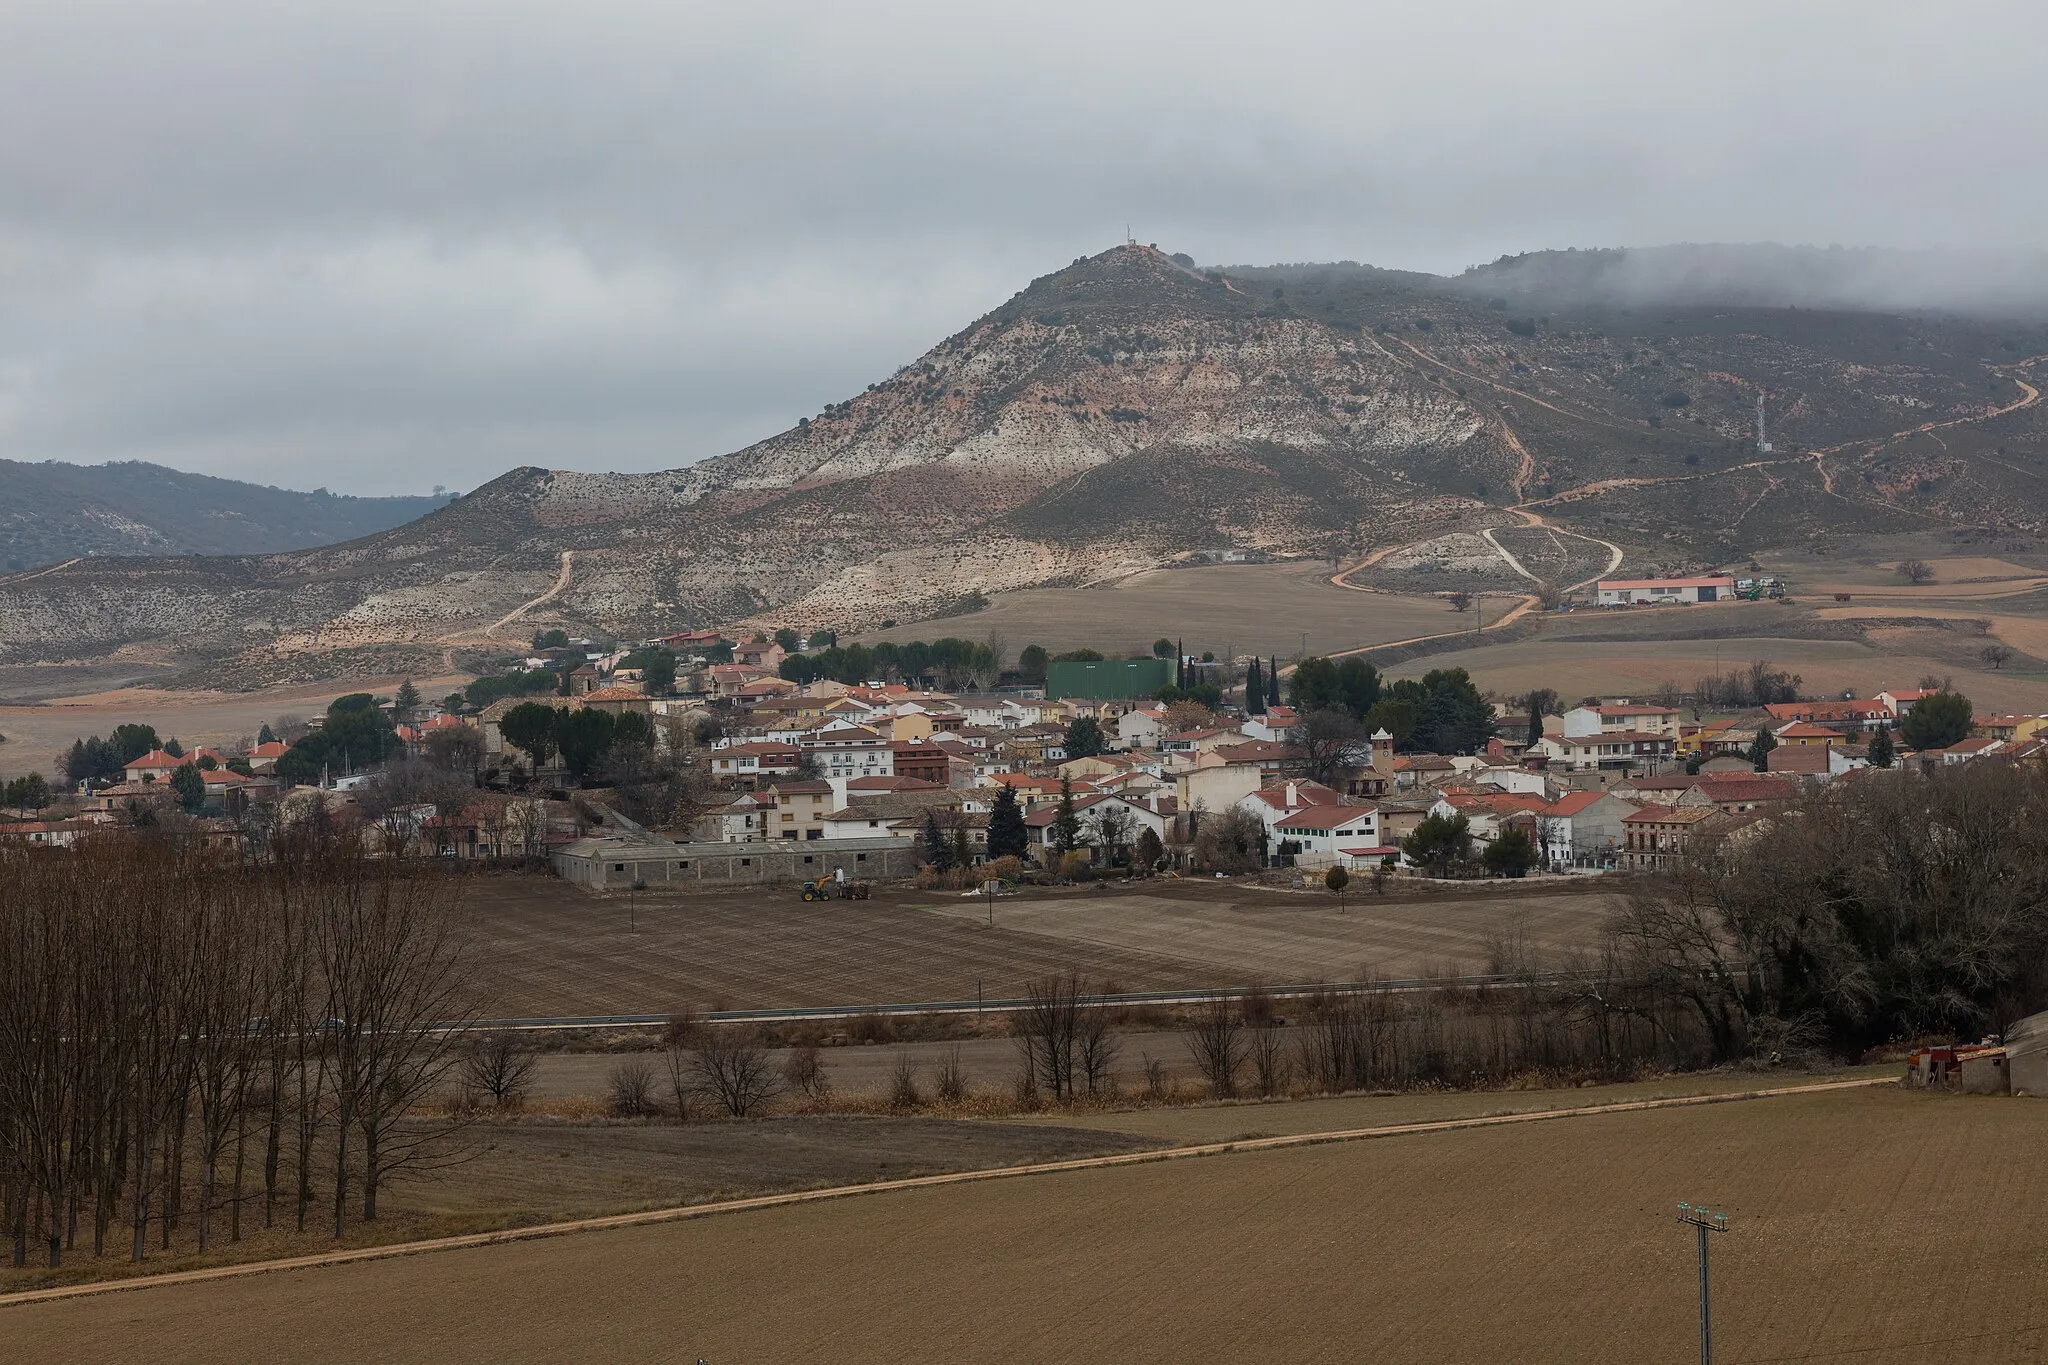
1007,835
1272,681
1881,753
190,787
1066,826
1255,690
1085,738
1180,665
1760,750
266,735
173,748
937,851
407,701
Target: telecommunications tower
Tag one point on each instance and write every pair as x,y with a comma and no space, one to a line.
1763,447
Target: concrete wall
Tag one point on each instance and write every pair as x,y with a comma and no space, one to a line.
620,866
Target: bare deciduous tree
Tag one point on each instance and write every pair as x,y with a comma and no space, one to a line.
732,1068
1046,1030
499,1066
1215,1042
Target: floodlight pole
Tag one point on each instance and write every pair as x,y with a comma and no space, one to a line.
1704,1222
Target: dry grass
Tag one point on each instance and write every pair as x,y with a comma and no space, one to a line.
1868,1226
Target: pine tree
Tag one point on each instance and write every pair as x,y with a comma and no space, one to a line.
266,735
407,701
1255,690
1007,835
1881,754
1760,750
1066,826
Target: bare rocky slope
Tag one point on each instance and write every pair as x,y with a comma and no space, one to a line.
1124,413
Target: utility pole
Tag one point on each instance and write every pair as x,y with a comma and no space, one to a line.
1704,1222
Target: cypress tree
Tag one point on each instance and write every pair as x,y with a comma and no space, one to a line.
1007,836
1255,690
1272,681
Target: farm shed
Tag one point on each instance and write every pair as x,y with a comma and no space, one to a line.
601,863
2026,1051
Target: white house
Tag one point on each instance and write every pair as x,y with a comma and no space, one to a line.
842,749
1620,749
1583,829
1276,725
1520,781
1584,722
1621,592
1143,728
1340,833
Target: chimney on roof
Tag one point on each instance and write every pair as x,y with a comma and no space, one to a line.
1292,799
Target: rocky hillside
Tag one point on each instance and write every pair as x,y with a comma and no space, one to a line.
53,512
1122,413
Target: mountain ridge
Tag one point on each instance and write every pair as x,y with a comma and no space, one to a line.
1121,414
52,511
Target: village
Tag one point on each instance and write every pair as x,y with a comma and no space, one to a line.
961,772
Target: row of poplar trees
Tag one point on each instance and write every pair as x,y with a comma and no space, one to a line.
189,1036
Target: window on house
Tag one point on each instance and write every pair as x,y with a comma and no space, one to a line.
618,867
746,862
860,857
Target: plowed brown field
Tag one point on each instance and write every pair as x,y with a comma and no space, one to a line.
1866,1226
549,949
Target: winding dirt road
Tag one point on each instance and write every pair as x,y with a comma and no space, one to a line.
561,586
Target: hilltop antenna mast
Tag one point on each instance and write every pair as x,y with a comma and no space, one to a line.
1763,446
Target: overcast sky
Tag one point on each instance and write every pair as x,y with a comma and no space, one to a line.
380,246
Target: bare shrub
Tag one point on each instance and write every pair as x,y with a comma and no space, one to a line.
498,1066
1216,1043
732,1068
903,1091
952,1078
871,1028
629,1089
1269,1061
805,1074
1155,1077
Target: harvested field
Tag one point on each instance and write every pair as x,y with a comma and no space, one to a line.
523,1172
1607,668
550,950
1538,1242
36,735
1262,608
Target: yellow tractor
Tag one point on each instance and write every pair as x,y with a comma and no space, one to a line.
829,889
